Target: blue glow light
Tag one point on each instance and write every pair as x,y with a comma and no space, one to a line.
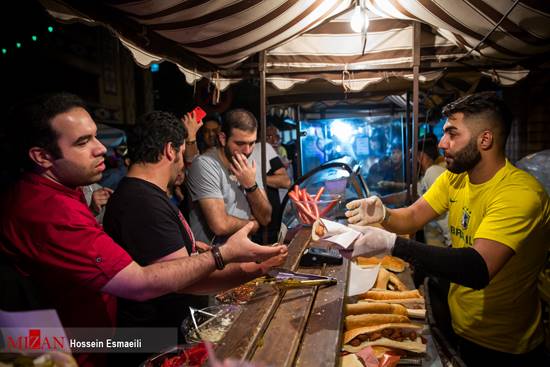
342,130
155,68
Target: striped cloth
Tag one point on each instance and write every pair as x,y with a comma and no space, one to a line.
214,38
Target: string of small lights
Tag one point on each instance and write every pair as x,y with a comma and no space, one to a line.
50,29
19,44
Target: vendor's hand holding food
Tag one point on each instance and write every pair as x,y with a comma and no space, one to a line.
366,211
244,172
373,241
239,248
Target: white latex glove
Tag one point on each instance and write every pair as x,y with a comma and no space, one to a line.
366,211
373,241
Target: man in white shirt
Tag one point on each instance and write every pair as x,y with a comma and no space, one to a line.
432,165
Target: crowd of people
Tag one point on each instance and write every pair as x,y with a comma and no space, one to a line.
146,254
187,218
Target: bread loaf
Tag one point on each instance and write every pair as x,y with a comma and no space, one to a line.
371,319
391,263
387,295
382,279
380,308
396,282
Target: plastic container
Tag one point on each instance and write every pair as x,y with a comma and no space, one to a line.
329,206
210,323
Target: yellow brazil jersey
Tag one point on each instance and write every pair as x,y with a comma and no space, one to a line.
513,209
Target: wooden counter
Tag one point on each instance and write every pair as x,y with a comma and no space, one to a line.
296,327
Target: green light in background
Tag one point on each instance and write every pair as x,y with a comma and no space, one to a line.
4,51
50,29
34,38
18,44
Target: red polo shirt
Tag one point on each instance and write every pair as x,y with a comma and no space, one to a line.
51,235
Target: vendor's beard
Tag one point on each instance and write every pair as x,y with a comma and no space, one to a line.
465,159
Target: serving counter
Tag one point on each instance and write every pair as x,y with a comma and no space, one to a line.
297,326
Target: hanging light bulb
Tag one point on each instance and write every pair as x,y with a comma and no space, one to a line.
357,20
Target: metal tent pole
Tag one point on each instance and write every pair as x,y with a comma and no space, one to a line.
416,113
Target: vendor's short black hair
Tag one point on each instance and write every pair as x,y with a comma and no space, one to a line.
486,107
153,131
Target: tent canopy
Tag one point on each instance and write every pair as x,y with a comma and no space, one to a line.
312,39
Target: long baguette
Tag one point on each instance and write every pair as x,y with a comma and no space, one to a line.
357,321
387,295
407,302
380,308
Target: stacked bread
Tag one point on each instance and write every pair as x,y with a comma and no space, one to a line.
380,318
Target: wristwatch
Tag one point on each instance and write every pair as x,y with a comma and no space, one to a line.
251,188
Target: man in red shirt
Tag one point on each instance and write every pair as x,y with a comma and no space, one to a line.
49,233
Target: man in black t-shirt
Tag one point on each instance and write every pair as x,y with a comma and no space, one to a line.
142,219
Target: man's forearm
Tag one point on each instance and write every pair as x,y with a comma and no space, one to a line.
278,181
227,225
152,281
464,266
191,151
401,221
261,209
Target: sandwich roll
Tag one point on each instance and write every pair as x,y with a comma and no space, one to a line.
388,262
414,303
388,295
318,230
396,282
375,308
357,321
392,335
382,279
416,313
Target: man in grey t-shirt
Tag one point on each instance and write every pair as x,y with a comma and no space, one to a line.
222,183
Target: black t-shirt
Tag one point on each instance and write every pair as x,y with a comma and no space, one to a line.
141,219
275,201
